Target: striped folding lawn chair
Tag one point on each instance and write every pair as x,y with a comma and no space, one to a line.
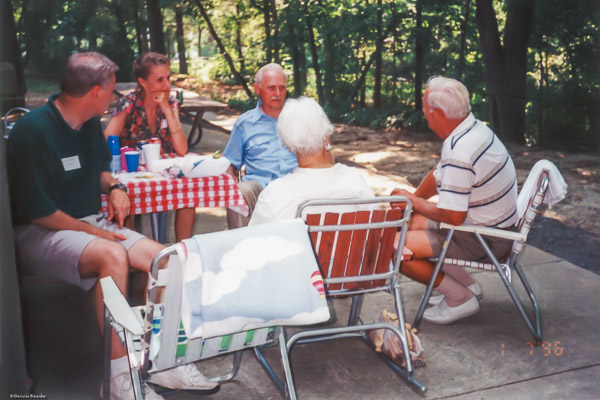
178,286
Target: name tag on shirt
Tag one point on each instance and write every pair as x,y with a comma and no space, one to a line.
71,163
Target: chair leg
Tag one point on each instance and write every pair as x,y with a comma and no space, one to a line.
402,328
288,390
107,351
536,331
357,302
237,362
409,372
133,367
436,271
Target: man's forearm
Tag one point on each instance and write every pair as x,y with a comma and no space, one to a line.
427,188
59,221
433,212
106,181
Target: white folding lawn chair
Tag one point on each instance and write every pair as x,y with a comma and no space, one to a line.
531,196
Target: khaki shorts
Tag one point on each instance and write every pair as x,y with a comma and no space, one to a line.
465,246
250,190
56,253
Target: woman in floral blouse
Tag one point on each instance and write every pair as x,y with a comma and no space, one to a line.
149,112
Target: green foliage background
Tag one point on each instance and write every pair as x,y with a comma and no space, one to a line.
563,85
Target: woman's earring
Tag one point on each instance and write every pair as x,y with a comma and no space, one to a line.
327,147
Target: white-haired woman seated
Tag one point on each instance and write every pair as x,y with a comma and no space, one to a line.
305,129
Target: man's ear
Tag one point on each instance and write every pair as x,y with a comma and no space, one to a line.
94,91
438,113
256,89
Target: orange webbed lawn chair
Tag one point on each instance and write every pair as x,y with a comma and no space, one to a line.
357,255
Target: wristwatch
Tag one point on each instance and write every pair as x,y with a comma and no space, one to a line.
118,185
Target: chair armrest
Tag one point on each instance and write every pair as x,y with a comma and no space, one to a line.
482,230
118,307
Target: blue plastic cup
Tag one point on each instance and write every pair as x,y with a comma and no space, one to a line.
132,159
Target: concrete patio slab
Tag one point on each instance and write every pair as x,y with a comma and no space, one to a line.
488,356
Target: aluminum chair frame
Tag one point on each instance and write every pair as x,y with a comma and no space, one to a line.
337,286
164,284
534,322
8,126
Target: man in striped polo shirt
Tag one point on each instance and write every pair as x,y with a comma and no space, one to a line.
477,185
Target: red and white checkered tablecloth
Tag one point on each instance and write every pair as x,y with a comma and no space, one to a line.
150,196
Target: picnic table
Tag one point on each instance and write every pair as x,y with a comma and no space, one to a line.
194,106
154,194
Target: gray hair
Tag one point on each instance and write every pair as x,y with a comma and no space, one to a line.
86,70
303,126
271,66
449,95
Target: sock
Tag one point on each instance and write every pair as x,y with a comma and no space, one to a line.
118,366
456,294
458,274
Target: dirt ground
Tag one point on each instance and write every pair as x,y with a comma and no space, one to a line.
570,230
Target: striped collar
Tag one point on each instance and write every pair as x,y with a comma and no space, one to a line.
462,129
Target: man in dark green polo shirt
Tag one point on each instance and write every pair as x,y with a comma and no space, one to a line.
58,165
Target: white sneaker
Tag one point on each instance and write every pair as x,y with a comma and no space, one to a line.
121,388
443,314
185,377
474,288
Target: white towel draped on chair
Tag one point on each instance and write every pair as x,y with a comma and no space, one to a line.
557,190
250,278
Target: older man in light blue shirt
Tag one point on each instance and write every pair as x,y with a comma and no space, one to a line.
254,142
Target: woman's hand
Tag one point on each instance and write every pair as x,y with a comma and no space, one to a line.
161,99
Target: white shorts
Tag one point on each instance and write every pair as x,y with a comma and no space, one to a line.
56,253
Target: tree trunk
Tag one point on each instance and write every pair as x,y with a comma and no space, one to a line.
329,69
394,41
200,29
505,67
266,7
222,49
463,39
183,69
366,67
419,58
238,38
140,32
155,20
9,51
313,50
275,37
294,43
378,56
125,54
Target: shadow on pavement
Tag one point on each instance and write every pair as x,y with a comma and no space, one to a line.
575,245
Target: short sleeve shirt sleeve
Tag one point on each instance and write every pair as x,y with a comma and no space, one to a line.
454,180
30,197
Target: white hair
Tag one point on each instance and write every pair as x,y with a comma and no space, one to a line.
271,66
449,95
303,126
